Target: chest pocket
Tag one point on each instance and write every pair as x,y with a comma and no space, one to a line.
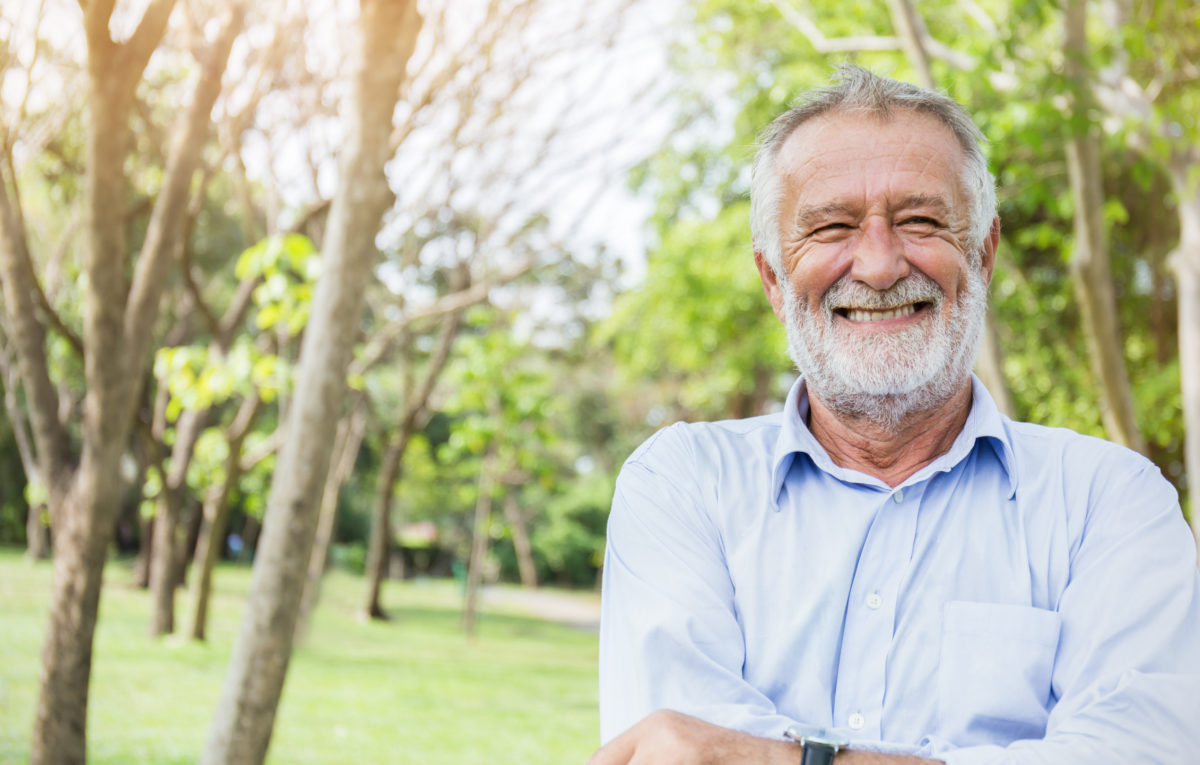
994,672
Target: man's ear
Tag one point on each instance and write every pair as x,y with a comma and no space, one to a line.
990,244
770,283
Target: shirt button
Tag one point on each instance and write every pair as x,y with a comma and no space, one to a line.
898,497
857,721
874,600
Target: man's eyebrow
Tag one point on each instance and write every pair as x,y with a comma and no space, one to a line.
808,217
936,202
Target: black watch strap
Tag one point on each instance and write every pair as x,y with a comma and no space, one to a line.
817,745
813,753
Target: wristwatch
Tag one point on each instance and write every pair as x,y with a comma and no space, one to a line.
817,745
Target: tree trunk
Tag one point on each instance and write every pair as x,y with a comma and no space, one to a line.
37,533
416,405
84,521
521,545
162,578
1090,265
80,547
479,539
380,544
1186,264
214,517
245,716
250,531
185,541
117,322
165,560
990,366
141,566
346,445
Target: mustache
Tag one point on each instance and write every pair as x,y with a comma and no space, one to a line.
914,288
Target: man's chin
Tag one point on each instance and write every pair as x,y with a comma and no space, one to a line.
872,372
885,400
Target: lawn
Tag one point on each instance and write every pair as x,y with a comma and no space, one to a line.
411,690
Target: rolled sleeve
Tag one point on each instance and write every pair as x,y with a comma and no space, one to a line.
669,637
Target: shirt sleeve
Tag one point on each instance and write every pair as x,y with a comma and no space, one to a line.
669,636
1127,671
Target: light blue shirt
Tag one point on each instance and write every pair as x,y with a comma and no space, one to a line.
1029,597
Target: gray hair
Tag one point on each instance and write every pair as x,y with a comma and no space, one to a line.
856,89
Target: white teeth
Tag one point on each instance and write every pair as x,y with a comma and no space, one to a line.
858,314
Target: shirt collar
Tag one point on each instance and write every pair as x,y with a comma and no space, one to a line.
984,423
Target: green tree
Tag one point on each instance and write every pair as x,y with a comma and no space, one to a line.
242,727
118,323
742,63
504,411
699,328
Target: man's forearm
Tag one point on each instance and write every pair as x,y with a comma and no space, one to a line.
673,738
861,757
787,753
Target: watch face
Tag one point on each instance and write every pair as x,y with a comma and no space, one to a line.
817,736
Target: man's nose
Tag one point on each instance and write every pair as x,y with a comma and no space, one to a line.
879,260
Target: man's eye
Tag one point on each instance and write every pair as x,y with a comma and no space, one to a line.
832,227
919,220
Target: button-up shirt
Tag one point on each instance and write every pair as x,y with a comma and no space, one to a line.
1030,596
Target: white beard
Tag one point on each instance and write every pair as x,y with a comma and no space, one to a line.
881,377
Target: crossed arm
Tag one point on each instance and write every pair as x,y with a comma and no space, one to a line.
673,738
1126,672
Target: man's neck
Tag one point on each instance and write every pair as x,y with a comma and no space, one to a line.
891,454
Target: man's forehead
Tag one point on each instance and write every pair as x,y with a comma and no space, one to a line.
908,152
850,130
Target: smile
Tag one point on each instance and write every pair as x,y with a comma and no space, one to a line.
864,314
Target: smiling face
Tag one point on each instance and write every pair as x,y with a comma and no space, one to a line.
882,300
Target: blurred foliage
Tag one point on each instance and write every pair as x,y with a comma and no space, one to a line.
561,373
699,324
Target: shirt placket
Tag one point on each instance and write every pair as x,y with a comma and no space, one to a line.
871,614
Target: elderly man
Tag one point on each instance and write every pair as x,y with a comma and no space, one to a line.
890,559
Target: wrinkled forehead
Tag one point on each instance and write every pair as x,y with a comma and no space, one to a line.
867,128
844,147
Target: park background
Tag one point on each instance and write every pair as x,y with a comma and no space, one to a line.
327,326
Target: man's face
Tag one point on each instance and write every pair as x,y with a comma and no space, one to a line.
882,302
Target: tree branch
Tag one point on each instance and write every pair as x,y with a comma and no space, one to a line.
164,230
419,399
50,437
823,44
185,245
96,15
237,309
135,52
15,226
382,340
266,448
56,321
17,420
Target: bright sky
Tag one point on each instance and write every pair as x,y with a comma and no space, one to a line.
577,94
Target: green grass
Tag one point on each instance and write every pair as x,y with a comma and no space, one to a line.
412,690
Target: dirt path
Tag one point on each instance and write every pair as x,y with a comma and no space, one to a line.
577,609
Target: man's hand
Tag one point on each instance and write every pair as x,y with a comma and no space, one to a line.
673,738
